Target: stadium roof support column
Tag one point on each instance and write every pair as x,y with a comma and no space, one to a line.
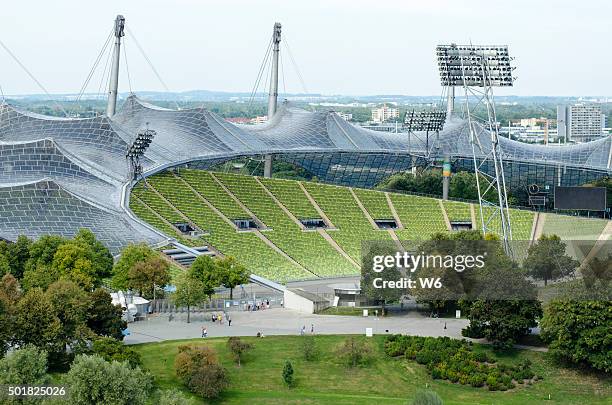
113,84
273,95
451,101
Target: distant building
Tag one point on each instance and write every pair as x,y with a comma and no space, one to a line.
385,113
239,120
345,116
583,122
260,120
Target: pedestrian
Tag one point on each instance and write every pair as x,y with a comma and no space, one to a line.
220,319
312,328
214,318
170,317
267,304
303,330
204,332
444,325
229,320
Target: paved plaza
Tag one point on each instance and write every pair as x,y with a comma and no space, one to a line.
281,321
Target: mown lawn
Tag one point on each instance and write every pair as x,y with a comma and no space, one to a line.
385,381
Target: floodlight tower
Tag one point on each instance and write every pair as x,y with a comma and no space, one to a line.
137,149
273,94
114,78
425,121
479,68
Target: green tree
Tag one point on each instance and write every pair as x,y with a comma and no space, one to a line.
231,273
113,350
546,259
579,331
70,304
288,374
5,267
74,261
309,348
43,250
130,256
145,277
101,256
104,318
17,254
190,291
9,295
205,269
172,397
25,366
463,185
36,322
238,348
382,296
92,380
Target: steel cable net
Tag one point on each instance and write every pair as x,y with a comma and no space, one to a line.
85,158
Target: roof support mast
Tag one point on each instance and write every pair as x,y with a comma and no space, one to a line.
114,78
273,95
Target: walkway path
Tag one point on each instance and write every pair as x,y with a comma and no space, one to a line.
280,321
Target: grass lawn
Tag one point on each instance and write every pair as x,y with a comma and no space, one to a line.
386,381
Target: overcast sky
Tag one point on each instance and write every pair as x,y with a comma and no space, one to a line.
354,47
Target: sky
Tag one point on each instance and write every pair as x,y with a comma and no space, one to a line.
351,47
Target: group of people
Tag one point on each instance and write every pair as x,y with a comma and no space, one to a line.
217,317
259,306
303,330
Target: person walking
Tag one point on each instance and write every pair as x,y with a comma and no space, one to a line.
312,328
229,320
220,319
204,332
303,330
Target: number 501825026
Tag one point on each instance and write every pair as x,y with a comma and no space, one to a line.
32,391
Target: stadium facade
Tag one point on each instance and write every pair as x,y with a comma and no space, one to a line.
61,174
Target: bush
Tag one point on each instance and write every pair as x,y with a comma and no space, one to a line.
238,348
288,374
355,352
93,380
309,348
111,349
198,368
172,397
426,398
26,366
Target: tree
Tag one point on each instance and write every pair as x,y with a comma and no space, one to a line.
369,275
199,369
74,261
25,366
354,351
288,374
205,269
5,267
149,275
546,259
104,318
17,254
42,252
579,331
130,256
238,348
92,380
231,273
190,291
9,295
113,350
426,398
172,397
36,322
309,348
101,256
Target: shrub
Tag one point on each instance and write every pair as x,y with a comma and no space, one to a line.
111,349
492,383
477,380
426,398
198,368
238,348
355,352
309,348
288,374
172,397
93,380
26,366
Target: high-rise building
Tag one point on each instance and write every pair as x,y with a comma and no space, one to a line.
580,122
385,113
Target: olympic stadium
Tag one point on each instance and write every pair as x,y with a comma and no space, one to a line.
62,174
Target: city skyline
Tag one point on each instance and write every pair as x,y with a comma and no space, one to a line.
368,51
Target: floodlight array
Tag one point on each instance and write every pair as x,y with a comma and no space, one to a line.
141,143
430,121
474,65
